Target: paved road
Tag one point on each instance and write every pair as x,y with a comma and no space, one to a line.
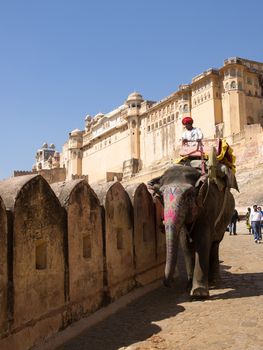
167,319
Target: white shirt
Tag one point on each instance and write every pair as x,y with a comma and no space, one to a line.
192,135
255,216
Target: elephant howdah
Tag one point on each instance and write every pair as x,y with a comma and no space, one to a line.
197,209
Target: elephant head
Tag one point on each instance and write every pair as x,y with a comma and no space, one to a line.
180,209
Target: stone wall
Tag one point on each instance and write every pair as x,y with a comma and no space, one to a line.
69,249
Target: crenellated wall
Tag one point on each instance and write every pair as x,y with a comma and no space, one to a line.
68,249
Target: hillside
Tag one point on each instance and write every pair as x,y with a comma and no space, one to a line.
250,182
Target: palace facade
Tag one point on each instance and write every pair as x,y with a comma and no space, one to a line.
140,133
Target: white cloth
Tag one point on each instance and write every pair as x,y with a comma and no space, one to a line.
192,135
255,216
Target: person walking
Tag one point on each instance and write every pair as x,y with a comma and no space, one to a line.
255,220
233,223
261,222
248,220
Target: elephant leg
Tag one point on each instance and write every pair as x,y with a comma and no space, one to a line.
202,250
214,272
189,257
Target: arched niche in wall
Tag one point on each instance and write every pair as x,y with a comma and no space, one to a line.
38,248
144,233
85,252
118,238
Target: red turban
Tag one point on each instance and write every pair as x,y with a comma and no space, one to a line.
187,120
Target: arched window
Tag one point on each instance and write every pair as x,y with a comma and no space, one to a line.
233,84
185,108
250,120
232,72
177,116
226,86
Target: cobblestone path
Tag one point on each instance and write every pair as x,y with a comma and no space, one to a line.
232,318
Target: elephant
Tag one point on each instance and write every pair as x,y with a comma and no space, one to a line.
197,208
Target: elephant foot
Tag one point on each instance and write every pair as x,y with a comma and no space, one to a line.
167,283
200,292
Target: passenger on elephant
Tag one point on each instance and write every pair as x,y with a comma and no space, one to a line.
191,135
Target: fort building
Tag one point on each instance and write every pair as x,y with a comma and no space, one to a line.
140,132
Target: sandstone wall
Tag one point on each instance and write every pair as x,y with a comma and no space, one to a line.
3,269
68,250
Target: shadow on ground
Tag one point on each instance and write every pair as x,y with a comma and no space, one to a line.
241,284
130,325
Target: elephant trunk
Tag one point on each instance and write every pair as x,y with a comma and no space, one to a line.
179,202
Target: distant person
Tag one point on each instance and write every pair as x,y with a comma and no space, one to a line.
261,222
247,220
233,223
255,220
191,135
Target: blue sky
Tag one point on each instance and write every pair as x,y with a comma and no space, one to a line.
61,60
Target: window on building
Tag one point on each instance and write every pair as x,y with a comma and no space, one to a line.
240,87
168,119
232,72
226,86
172,116
164,120
233,84
185,108
148,128
250,120
160,123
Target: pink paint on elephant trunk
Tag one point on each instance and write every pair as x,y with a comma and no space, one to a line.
179,203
